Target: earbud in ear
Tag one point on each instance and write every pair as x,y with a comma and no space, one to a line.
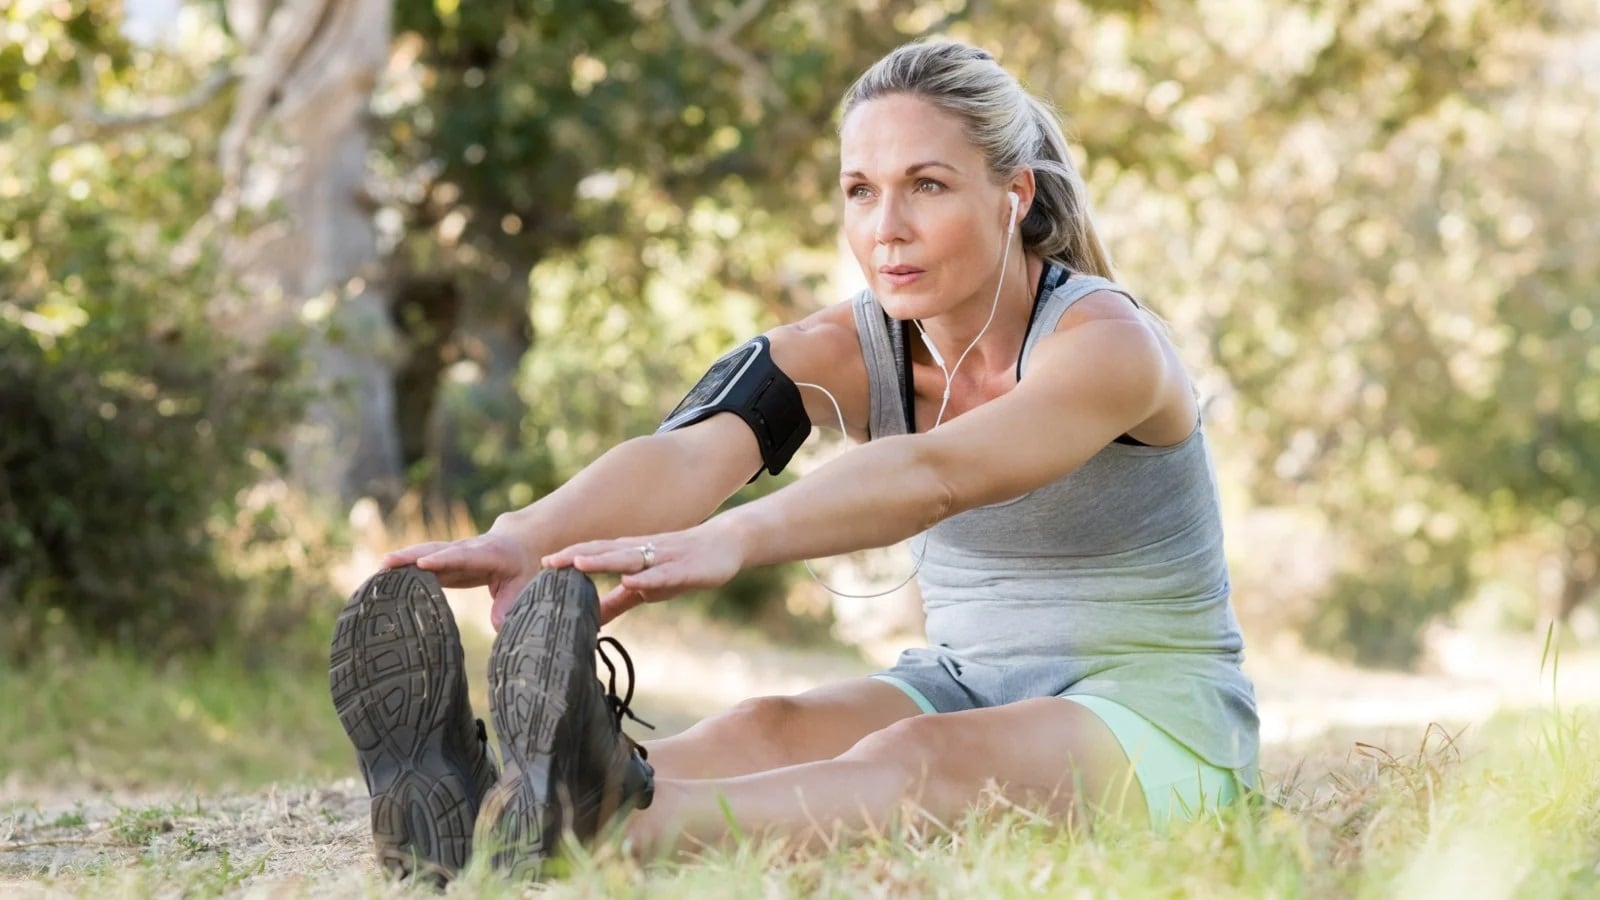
1016,203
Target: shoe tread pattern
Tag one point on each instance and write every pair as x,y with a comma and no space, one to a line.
531,676
397,676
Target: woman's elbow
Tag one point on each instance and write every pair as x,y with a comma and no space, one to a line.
937,479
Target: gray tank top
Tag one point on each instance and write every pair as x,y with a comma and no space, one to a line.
1115,571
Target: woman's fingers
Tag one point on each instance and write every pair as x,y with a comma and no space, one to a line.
406,556
561,559
617,601
620,556
505,596
467,563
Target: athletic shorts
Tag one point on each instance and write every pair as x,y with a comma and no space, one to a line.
1178,785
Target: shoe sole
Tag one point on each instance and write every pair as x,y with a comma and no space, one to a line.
530,683
394,672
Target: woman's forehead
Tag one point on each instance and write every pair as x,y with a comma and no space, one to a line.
894,132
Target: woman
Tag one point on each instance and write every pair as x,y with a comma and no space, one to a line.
1040,429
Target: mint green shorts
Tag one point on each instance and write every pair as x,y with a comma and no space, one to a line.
1178,785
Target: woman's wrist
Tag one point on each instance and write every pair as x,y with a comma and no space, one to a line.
520,532
741,528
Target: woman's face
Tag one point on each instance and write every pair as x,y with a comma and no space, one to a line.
925,220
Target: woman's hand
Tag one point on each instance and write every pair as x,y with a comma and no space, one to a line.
494,559
698,558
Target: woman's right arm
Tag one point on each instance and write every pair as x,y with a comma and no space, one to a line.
654,483
673,480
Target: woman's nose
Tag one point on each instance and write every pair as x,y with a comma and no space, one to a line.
892,225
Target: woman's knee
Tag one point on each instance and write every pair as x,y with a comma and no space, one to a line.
766,716
762,725
918,749
749,736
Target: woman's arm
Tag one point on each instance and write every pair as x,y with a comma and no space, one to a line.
673,480
1085,386
1100,375
657,482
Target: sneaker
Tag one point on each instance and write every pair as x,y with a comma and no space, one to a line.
568,766
399,684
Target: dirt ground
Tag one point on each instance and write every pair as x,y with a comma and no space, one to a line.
312,838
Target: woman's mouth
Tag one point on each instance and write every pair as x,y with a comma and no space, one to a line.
900,276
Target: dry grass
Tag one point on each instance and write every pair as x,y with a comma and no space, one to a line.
1508,810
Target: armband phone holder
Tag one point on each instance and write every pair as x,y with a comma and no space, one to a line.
747,382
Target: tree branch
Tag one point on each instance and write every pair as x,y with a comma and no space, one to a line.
92,123
285,32
720,43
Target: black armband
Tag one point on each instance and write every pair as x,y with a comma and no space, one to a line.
747,382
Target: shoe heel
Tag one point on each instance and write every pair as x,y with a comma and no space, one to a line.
396,675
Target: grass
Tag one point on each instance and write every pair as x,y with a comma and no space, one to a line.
1507,810
270,805
1513,811
105,720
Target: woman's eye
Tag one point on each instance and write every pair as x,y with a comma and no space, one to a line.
858,192
929,186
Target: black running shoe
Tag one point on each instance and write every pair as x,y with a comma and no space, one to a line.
568,766
399,684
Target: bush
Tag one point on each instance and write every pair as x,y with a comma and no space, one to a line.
122,462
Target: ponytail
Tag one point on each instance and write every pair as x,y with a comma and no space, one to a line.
1060,226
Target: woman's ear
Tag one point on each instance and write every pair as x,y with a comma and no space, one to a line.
1024,186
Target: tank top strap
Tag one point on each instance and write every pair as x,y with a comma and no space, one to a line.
1075,288
883,351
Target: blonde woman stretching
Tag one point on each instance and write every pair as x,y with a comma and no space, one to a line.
1023,421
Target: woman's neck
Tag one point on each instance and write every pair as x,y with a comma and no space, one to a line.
997,350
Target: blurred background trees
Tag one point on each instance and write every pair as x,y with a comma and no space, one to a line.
261,258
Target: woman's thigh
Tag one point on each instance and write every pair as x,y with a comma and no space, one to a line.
1178,785
1047,754
766,733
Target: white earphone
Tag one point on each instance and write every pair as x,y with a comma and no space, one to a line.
938,360
932,350
949,374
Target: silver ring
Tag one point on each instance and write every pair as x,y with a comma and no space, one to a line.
648,551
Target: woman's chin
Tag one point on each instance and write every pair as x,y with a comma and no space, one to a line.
906,303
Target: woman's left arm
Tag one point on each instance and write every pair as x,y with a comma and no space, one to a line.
1087,383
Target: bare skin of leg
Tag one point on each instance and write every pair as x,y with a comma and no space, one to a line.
1047,754
773,732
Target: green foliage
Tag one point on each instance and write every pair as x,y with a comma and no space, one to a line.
660,205
131,425
1405,318
1366,221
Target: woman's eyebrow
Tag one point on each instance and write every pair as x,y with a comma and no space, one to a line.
912,169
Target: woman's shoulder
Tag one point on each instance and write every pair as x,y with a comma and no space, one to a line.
1083,297
823,349
1108,303
833,326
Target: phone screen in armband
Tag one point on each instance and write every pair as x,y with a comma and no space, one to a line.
746,381
713,387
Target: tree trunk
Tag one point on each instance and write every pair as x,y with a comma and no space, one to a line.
1580,574
296,143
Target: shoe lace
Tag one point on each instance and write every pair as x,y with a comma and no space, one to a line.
619,705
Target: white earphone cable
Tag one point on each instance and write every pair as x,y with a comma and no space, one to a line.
949,377
916,567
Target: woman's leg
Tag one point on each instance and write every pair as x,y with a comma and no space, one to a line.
1047,754
772,732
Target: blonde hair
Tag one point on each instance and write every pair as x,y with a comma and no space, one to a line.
1012,128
